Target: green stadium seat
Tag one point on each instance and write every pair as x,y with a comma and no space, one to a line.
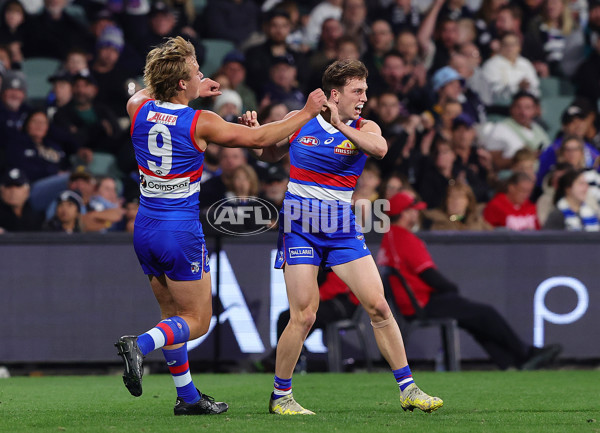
215,51
552,109
199,5
37,70
549,87
567,88
554,86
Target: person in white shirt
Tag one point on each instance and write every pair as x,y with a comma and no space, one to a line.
508,72
516,132
318,15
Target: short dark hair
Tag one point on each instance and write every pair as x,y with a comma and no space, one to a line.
524,94
340,72
566,181
515,10
393,53
518,177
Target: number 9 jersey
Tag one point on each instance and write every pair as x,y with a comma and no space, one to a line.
169,160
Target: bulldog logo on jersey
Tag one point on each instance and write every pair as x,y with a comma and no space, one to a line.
346,148
195,267
309,141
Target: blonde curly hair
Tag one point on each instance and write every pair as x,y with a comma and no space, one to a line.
166,64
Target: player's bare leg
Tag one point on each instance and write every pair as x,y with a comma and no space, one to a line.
362,277
192,302
303,296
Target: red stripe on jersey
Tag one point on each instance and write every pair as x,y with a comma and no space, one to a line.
170,337
193,131
293,137
180,368
358,122
136,113
327,179
193,175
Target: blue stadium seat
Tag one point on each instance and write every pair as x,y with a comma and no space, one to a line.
215,51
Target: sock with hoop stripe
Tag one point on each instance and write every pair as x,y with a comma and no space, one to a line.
177,361
403,377
170,331
282,387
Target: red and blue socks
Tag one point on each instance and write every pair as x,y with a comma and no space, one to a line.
282,387
177,360
403,377
173,330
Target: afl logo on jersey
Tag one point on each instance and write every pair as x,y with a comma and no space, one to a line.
346,148
309,141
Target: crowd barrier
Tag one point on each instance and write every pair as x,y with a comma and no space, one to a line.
66,298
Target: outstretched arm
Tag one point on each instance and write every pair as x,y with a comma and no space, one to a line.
272,153
425,33
211,128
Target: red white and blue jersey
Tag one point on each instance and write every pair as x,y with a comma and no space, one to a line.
325,165
169,160
317,225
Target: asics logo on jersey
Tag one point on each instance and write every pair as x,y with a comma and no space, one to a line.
309,141
165,119
329,140
345,148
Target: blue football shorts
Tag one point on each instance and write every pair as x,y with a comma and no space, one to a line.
319,238
174,248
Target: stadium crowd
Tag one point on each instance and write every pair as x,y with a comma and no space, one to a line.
489,107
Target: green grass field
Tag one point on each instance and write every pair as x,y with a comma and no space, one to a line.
541,401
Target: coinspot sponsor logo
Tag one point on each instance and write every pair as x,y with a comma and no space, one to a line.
242,216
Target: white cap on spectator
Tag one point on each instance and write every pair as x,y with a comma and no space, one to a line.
228,97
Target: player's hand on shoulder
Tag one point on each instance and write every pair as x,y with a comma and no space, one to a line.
315,102
209,87
250,119
331,114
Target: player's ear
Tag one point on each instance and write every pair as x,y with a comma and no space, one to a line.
181,85
335,95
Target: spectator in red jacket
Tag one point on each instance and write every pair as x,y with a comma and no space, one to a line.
512,209
439,297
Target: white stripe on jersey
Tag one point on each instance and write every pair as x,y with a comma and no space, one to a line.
327,126
318,192
170,105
